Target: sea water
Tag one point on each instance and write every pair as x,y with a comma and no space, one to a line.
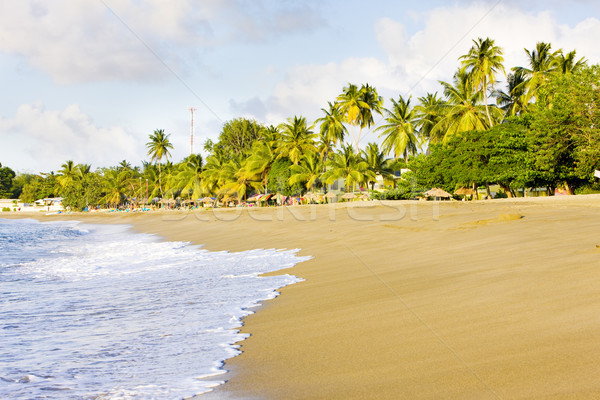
99,312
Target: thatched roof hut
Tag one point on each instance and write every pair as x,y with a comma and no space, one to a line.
463,191
437,193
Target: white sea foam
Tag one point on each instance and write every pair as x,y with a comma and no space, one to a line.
100,312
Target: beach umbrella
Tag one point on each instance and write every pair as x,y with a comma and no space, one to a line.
349,196
365,196
437,192
330,195
254,198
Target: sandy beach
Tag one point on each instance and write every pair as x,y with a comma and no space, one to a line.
494,299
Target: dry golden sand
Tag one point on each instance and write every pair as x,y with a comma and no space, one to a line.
483,300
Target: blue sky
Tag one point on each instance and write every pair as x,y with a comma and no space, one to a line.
89,80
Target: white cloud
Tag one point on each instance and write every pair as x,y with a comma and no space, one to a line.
416,61
80,40
52,137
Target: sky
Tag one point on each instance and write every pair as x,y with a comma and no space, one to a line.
90,80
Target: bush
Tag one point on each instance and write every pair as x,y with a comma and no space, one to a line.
5,209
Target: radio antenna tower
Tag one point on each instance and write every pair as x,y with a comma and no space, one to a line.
192,109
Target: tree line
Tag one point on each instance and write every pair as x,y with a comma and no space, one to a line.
539,131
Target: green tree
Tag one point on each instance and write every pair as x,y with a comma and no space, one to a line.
307,172
377,164
542,63
297,139
332,126
6,182
513,101
83,192
483,61
260,160
565,128
463,111
399,130
237,136
346,164
428,113
359,106
67,173
158,148
214,175
187,178
279,177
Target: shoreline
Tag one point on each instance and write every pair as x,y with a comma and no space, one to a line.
479,299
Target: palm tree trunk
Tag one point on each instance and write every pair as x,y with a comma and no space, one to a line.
160,181
487,108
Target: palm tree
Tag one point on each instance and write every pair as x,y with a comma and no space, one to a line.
297,139
82,170
260,160
513,101
567,64
482,61
308,171
347,165
240,180
374,104
542,63
351,103
427,114
358,107
332,124
463,111
377,164
399,130
67,173
114,185
158,147
217,172
188,178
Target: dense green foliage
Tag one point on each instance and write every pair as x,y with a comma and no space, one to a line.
541,131
7,176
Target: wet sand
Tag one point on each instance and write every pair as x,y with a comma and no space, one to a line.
416,300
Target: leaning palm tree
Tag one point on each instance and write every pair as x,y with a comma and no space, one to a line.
260,160
377,164
214,175
297,139
158,147
399,130
243,183
483,61
188,177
